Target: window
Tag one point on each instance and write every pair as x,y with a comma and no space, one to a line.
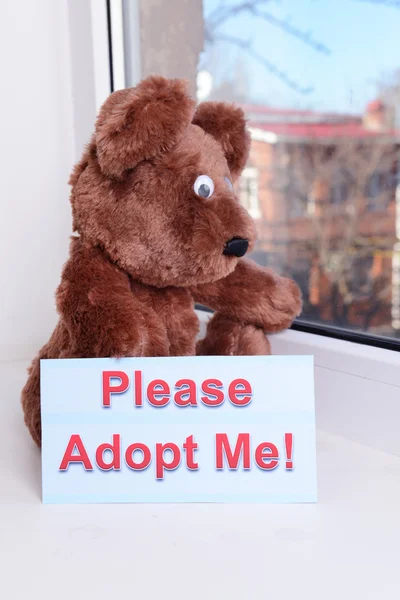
381,188
322,99
340,187
248,191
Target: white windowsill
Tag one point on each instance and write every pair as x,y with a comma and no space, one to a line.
357,387
350,538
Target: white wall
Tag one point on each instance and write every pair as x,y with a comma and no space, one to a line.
36,156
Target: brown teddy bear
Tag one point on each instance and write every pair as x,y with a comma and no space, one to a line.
160,228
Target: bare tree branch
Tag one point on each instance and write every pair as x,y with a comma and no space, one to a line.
286,26
279,73
217,12
307,174
223,13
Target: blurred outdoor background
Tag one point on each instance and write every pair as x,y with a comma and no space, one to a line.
320,84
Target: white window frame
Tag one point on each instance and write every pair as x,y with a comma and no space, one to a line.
357,386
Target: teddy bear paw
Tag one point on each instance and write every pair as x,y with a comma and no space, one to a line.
285,305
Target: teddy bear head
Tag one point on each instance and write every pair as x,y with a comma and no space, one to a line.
155,187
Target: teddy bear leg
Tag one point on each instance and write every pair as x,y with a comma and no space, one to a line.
31,402
225,337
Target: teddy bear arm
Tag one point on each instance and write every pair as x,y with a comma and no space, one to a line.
253,295
96,304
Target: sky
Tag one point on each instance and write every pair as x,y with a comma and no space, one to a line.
363,40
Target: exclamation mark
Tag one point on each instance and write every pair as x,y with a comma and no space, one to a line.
289,450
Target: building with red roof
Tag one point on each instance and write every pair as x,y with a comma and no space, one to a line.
322,189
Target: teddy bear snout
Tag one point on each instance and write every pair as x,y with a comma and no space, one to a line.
236,247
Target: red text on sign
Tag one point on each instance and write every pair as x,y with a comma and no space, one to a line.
138,456
184,392
266,454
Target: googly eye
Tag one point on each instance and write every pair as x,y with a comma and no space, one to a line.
204,186
228,183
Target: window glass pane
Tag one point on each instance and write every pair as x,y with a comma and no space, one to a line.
320,84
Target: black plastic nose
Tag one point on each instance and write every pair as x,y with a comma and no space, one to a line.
236,247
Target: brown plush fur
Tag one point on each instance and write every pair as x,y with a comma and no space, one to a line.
149,246
226,123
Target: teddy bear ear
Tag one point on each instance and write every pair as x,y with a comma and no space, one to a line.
227,124
139,123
